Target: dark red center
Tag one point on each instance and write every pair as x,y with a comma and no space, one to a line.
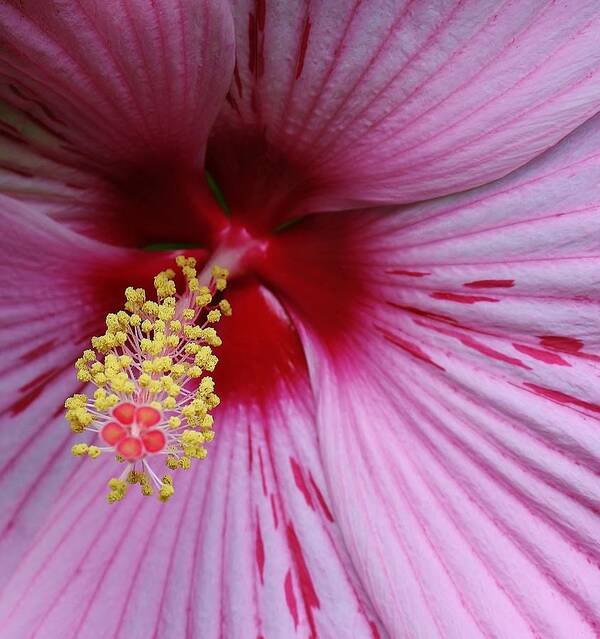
283,272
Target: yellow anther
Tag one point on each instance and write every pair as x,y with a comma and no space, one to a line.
191,348
211,363
79,450
112,323
202,355
192,332
154,386
192,438
134,477
147,326
225,307
166,490
169,403
83,375
219,271
164,285
147,489
148,366
144,380
204,297
93,452
100,379
214,316
79,419
116,490
212,401
182,261
203,300
178,370
76,401
209,335
135,298
207,386
192,443
150,307
167,274
165,363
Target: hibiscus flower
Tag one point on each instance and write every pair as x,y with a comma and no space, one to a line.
407,444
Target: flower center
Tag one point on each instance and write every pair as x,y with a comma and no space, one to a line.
153,397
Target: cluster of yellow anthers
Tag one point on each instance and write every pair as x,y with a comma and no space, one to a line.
153,395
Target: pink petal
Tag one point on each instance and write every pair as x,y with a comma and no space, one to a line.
461,420
106,90
57,287
50,307
352,102
247,547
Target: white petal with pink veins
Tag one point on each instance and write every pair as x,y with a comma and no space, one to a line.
465,428
248,549
389,102
43,326
93,90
